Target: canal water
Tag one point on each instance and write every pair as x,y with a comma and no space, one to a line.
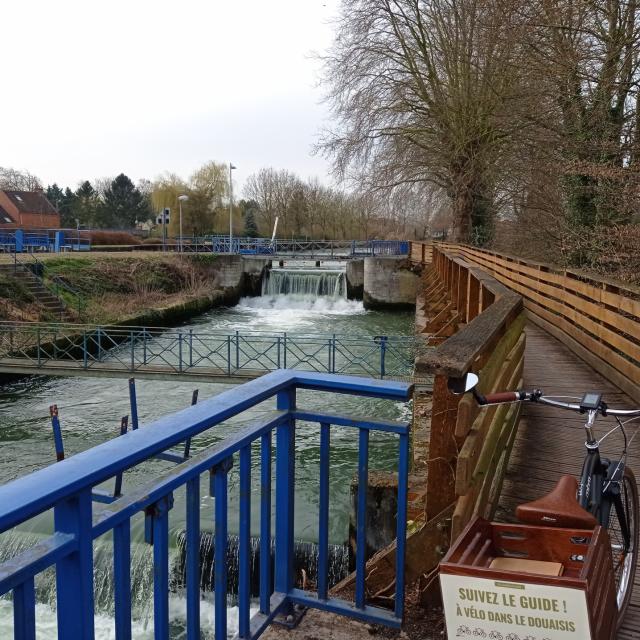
296,301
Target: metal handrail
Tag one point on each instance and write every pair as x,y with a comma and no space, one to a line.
66,487
59,283
135,349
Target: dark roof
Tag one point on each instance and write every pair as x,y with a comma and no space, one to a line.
31,202
5,218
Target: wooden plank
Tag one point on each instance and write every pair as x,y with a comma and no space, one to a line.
473,451
571,280
456,356
501,469
624,366
491,375
508,427
601,366
440,319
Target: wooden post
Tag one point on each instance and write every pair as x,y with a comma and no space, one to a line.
443,451
462,302
473,306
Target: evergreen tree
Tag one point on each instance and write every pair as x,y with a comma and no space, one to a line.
63,202
250,226
124,204
85,206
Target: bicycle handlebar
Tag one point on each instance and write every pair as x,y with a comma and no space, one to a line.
537,396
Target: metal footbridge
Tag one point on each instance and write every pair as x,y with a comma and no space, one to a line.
63,349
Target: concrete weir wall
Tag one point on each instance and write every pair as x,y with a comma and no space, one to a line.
240,275
389,283
355,279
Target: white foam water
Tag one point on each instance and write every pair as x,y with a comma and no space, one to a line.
142,629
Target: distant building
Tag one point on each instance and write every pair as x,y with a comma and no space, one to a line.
27,210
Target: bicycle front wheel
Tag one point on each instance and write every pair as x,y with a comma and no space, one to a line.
625,555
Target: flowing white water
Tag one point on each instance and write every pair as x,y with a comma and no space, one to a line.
317,282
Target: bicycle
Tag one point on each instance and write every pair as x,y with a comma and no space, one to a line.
606,495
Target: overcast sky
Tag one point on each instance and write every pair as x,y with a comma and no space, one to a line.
93,88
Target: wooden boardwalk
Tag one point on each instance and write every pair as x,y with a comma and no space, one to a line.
550,442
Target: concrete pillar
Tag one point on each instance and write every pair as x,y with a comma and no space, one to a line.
355,279
389,283
382,508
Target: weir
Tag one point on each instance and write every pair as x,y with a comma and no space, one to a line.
305,282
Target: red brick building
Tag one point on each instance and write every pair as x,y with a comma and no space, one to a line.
27,210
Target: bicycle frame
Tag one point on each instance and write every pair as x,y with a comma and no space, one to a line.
599,486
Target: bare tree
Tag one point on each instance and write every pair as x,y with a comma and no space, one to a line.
16,180
423,90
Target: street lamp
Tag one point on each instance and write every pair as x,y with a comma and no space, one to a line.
231,168
181,199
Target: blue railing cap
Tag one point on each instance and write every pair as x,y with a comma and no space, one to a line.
39,491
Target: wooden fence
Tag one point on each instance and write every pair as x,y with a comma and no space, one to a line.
469,447
597,319
477,324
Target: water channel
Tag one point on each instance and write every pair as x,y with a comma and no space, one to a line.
294,300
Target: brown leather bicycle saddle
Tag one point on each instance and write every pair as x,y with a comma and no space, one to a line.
559,508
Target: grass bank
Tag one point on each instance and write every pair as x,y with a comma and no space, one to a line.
125,289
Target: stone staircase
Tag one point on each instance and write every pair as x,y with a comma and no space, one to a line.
43,296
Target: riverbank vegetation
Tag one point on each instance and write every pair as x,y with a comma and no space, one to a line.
114,288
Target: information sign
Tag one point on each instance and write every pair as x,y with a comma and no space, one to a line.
502,610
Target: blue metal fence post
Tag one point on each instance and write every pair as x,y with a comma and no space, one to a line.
19,236
99,332
244,544
85,355
323,528
229,356
57,432
117,490
74,573
133,401
285,349
361,520
157,533
38,342
179,351
187,444
285,484
401,522
193,559
122,579
24,610
220,472
237,350
191,347
383,352
133,356
265,522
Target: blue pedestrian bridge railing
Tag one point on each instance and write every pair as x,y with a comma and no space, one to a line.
297,247
66,488
64,348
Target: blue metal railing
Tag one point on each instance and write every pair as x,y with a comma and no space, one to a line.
66,488
234,355
49,240
298,247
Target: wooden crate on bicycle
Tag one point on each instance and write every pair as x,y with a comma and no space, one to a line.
523,582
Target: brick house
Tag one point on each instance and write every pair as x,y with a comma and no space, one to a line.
27,210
